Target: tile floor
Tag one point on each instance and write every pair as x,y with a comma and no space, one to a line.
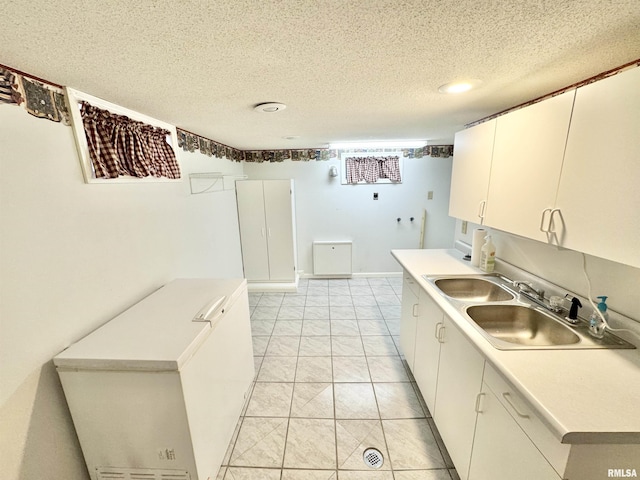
330,382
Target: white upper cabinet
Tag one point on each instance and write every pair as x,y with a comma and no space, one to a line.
527,160
599,193
470,174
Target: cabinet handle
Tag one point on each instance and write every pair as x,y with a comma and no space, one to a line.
481,207
478,399
553,212
507,397
440,332
544,215
269,230
262,231
414,310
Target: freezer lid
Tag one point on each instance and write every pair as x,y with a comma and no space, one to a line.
159,332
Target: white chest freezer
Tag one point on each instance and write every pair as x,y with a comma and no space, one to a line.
156,392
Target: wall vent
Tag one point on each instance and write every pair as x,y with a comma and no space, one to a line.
114,473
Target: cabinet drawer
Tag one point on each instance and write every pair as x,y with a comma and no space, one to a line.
555,452
408,281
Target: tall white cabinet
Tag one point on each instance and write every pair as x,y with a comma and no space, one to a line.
266,214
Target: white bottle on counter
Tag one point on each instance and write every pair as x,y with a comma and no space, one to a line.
488,256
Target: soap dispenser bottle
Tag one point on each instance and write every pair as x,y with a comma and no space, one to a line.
597,326
488,256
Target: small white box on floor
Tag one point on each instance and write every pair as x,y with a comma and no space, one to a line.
332,258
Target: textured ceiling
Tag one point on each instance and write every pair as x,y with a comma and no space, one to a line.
347,70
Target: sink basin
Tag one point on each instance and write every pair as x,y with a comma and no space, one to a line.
521,325
514,324
473,290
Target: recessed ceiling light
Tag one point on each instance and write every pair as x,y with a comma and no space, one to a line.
269,107
460,86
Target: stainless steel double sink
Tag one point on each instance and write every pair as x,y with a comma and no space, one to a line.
510,323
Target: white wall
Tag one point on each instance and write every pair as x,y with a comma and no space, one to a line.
564,268
74,255
327,210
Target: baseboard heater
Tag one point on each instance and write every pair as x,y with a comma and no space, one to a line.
332,258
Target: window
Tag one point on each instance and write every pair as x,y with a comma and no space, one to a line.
368,168
118,145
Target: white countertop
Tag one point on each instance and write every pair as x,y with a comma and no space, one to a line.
584,396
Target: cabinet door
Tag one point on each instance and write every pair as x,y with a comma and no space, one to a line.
473,150
525,171
459,382
427,356
501,449
598,196
253,229
408,315
279,223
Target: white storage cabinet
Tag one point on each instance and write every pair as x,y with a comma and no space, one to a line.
156,392
459,381
471,169
511,441
266,216
408,317
598,196
525,171
427,356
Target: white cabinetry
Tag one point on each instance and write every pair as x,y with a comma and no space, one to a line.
511,441
267,229
408,315
501,449
598,195
459,382
427,356
470,174
562,171
525,170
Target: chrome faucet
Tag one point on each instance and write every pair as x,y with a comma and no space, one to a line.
528,291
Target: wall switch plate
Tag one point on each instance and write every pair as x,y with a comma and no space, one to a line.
375,196
464,227
430,195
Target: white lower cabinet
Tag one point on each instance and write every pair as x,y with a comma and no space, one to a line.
427,349
501,450
459,381
489,428
408,314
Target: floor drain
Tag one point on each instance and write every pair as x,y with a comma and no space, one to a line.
373,458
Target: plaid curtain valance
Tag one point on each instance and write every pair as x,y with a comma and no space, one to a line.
370,169
120,146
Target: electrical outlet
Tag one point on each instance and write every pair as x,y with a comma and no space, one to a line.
375,196
464,227
430,195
